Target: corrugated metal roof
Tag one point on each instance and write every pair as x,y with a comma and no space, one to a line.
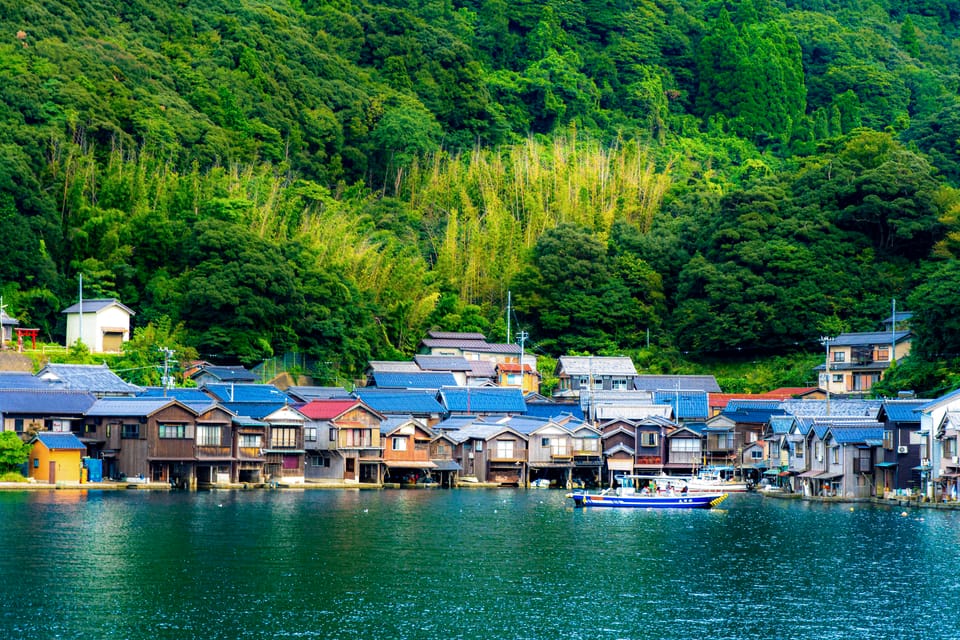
49,402
422,380
483,400
62,441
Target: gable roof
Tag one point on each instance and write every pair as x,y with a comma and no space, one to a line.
482,431
442,363
595,366
89,377
226,374
400,401
95,305
706,383
49,402
328,409
419,380
483,399
60,441
141,407
872,434
308,393
903,410
869,338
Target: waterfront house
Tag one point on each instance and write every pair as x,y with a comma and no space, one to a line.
651,443
102,324
579,375
29,411
549,453
855,361
600,406
284,451
97,379
344,441
896,470
817,470
858,443
491,452
619,442
406,449
446,468
56,457
719,447
935,459
778,449
684,447
146,438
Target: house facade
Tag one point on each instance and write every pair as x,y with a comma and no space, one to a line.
856,361
102,324
56,457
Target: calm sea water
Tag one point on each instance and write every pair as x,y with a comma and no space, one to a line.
467,564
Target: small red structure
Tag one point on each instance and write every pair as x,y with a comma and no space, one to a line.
30,333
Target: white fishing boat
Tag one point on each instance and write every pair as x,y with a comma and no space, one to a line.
711,479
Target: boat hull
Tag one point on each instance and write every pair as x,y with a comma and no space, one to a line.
696,501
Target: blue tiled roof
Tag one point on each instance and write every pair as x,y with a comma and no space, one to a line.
820,430
402,380
400,401
780,425
454,423
87,377
63,441
227,374
755,416
903,410
483,400
745,404
692,404
255,410
856,435
21,380
49,402
183,395
554,409
127,407
259,393
696,427
526,424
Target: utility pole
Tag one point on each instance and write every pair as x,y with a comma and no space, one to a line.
522,338
80,338
508,317
167,380
826,343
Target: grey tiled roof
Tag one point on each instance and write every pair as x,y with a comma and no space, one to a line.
127,407
838,408
96,379
96,304
596,366
868,338
442,363
655,383
50,402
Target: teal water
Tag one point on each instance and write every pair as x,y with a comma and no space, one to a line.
467,564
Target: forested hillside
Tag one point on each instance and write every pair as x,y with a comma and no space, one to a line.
684,178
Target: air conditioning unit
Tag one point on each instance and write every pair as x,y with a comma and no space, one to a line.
902,449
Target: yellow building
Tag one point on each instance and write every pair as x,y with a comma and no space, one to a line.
56,457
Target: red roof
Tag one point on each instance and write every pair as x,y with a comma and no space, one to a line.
327,409
513,367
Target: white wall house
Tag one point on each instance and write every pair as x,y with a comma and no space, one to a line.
103,324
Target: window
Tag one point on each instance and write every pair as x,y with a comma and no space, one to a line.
505,449
618,384
18,425
839,356
545,442
687,445
170,431
208,436
441,449
60,426
285,437
752,436
834,455
250,440
838,377
584,382
756,454
648,439
478,445
357,438
818,450
949,447
883,353
798,450
888,440
332,435
398,444
310,433
130,431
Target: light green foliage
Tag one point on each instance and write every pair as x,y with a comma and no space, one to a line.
13,451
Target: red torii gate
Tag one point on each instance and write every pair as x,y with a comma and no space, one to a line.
30,333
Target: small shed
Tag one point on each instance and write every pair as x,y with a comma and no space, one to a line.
103,324
56,457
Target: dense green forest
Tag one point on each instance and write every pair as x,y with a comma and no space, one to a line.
677,180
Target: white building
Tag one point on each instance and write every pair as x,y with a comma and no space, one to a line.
103,324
